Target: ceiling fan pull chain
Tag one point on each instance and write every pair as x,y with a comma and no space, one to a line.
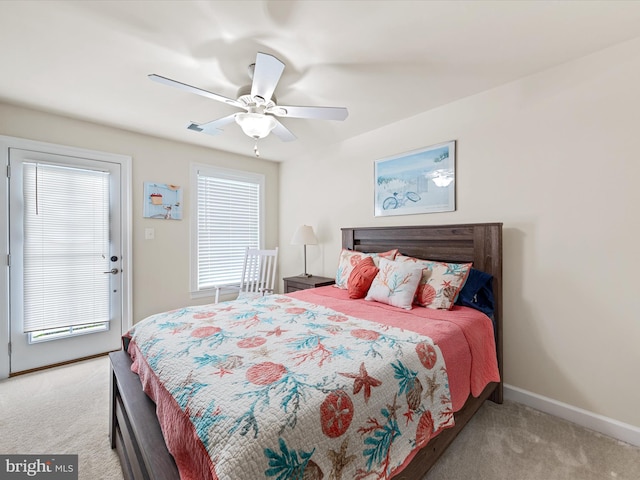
255,149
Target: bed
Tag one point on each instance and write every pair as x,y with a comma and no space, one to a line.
134,428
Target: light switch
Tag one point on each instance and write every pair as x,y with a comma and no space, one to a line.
149,233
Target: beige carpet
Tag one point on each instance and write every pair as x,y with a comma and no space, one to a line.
515,442
65,410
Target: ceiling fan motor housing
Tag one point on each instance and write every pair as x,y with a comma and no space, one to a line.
244,96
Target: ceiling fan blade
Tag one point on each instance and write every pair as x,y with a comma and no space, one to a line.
266,75
191,89
319,113
213,127
282,132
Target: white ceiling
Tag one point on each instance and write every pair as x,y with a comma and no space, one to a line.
383,60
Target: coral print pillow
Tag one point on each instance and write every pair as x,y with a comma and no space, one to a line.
441,282
349,259
361,277
395,284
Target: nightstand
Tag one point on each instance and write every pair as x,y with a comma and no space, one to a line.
293,284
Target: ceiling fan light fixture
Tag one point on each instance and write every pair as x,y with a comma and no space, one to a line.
255,125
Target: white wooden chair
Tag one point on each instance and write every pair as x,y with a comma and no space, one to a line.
258,273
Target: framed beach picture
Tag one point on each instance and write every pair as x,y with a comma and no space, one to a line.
162,201
421,181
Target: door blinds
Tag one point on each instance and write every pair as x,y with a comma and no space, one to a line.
228,223
66,246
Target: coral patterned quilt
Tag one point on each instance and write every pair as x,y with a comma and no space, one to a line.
277,388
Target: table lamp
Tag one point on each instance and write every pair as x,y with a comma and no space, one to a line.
304,236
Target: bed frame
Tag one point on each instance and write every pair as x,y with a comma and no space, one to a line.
134,430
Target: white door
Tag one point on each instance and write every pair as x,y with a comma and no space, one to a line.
65,276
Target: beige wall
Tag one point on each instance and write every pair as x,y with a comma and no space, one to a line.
555,158
160,266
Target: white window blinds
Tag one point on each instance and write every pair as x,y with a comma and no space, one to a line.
228,221
66,246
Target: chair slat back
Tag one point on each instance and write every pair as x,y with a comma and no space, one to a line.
259,272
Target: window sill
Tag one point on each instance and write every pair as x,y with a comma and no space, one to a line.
220,291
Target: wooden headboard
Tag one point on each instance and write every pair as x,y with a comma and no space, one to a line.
480,243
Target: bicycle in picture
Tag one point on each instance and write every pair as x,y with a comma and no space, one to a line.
399,200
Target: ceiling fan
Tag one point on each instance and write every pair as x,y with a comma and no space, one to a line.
259,104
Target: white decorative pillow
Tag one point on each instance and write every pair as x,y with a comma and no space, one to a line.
350,258
441,282
395,284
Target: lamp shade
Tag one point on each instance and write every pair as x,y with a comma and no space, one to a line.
304,236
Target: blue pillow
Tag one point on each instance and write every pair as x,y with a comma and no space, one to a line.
477,292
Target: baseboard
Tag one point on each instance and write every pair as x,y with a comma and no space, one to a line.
608,426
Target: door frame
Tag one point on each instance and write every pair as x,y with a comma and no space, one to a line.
6,143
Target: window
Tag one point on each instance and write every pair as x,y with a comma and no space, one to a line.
227,208
65,248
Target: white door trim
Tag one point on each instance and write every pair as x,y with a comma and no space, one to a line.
125,204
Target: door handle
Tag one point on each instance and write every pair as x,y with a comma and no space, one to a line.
113,271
